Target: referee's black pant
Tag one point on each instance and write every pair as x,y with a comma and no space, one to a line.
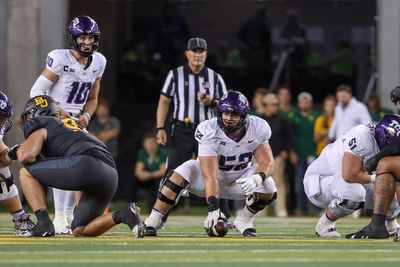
182,146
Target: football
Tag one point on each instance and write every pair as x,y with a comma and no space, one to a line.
219,230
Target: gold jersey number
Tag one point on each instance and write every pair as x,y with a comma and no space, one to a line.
71,124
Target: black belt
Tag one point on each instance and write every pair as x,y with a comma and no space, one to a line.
186,124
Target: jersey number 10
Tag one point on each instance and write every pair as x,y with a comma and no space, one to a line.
79,92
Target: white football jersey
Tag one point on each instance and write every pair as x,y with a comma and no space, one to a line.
359,141
234,156
74,82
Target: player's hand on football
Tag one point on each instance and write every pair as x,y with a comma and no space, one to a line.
249,184
395,95
213,217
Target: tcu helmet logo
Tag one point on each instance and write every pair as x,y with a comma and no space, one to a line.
75,22
40,101
3,104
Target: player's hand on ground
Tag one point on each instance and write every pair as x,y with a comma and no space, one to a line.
249,184
213,217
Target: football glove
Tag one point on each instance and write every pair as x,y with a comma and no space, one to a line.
213,217
395,95
370,165
249,184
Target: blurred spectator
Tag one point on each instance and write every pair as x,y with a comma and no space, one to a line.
323,123
149,169
293,36
172,35
293,33
343,67
106,127
255,33
348,112
375,110
304,146
281,144
257,107
286,109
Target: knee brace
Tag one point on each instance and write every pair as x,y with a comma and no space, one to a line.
177,189
255,203
343,207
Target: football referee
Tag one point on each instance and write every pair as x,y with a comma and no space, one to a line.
194,89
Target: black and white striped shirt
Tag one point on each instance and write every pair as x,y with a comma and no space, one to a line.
183,85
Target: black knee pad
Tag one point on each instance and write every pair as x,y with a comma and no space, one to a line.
257,203
177,189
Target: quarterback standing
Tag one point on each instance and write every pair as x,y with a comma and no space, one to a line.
72,77
227,145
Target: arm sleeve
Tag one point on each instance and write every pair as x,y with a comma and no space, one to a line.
41,86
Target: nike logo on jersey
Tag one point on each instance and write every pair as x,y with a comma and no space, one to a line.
95,71
251,141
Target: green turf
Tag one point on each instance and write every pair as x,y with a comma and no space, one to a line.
281,242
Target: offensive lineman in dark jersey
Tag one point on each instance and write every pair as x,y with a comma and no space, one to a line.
73,160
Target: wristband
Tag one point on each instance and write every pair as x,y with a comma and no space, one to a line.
373,178
160,128
263,175
213,203
87,114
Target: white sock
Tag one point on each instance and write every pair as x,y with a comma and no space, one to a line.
247,213
64,204
154,219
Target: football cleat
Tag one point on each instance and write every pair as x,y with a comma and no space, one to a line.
326,228
43,228
370,232
61,226
23,225
244,225
150,231
131,217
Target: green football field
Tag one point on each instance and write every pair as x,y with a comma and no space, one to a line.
281,242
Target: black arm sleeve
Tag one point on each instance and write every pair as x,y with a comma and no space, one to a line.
392,149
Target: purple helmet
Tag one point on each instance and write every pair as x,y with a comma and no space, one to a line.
387,129
84,25
5,113
235,103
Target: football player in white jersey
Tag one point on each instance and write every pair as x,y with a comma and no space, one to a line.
8,191
72,77
227,145
336,180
